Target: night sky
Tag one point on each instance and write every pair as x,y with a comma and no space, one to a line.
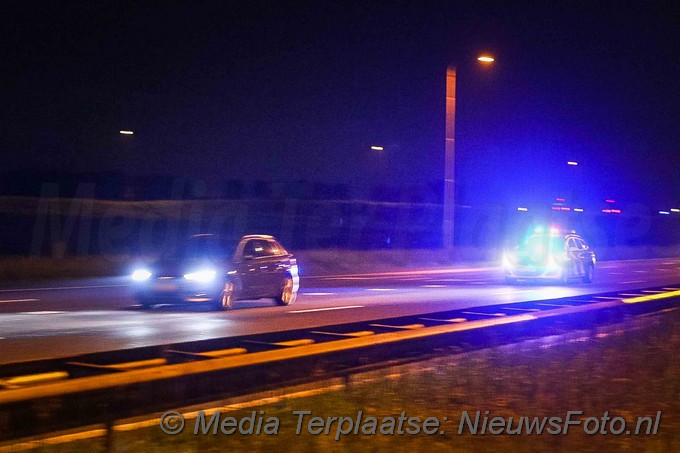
287,91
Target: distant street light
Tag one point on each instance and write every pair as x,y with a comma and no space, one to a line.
377,148
574,181
126,132
450,154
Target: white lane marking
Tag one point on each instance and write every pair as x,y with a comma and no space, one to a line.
18,300
514,292
316,294
59,287
444,320
433,286
407,273
311,310
632,281
616,273
406,327
380,289
41,312
361,333
482,314
640,272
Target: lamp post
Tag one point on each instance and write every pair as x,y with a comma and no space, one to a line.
450,154
379,150
124,155
574,182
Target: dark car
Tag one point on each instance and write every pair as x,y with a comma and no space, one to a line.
206,269
549,255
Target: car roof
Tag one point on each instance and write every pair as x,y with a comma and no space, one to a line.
247,236
257,236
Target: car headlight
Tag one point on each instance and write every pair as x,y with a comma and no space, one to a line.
201,276
506,261
141,275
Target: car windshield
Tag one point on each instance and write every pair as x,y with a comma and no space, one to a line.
541,244
205,247
537,248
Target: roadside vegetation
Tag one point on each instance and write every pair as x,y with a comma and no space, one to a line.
14,270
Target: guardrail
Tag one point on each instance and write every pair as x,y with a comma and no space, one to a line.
45,396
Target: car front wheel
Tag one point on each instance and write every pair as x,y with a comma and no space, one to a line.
288,294
564,278
588,274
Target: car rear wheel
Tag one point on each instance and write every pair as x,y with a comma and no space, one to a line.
588,274
226,300
288,294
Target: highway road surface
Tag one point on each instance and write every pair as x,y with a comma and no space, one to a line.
46,320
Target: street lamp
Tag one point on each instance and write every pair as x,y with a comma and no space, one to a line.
450,153
379,150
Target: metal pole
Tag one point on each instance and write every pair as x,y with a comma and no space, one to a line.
449,160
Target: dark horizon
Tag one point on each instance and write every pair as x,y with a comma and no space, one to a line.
301,90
